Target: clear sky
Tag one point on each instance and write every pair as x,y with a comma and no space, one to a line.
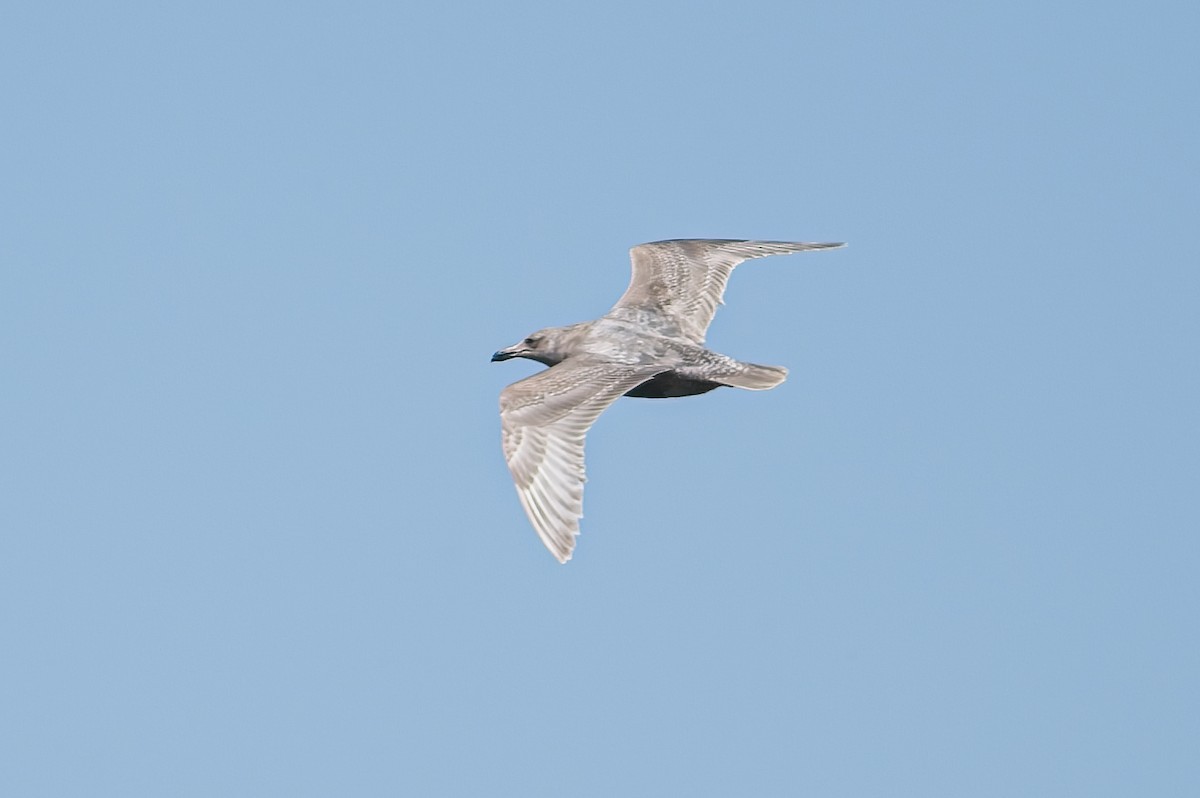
256,532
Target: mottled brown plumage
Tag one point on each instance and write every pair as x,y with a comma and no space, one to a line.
650,344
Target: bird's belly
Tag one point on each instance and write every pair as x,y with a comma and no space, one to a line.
671,384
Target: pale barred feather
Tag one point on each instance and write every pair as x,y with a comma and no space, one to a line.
684,279
544,420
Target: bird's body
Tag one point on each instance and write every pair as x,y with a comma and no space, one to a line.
650,345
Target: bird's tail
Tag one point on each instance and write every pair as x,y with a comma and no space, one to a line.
753,377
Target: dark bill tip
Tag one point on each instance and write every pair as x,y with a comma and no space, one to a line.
501,355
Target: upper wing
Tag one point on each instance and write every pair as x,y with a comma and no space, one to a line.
544,420
684,279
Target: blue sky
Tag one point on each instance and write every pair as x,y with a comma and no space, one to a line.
256,532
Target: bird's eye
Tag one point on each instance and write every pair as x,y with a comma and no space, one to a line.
530,342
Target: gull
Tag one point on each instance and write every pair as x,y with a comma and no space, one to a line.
649,345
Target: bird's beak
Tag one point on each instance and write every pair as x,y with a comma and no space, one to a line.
509,353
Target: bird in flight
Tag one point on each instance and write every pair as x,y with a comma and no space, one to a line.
650,345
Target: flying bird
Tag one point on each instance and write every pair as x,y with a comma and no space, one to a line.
650,345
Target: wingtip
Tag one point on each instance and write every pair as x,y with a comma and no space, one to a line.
564,554
563,557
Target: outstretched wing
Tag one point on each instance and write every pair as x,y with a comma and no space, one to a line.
683,280
544,419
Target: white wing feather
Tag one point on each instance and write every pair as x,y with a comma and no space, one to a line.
683,280
544,420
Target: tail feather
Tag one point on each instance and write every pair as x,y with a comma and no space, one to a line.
754,377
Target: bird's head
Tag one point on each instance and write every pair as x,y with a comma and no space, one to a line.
550,346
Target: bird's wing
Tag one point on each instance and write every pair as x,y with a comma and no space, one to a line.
544,420
683,280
